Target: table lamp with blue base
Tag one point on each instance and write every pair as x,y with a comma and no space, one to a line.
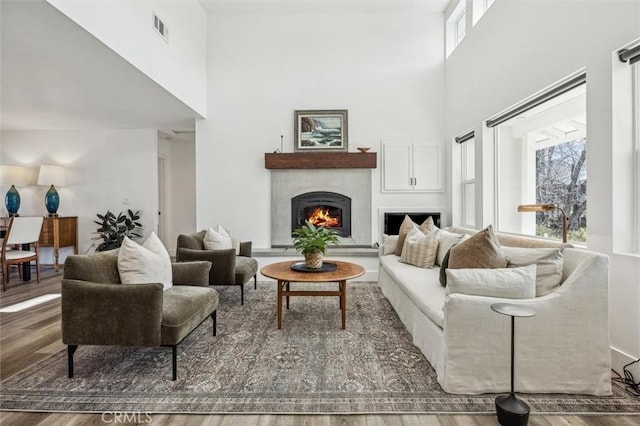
51,175
12,201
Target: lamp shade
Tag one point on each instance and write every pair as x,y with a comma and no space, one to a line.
535,207
13,175
51,175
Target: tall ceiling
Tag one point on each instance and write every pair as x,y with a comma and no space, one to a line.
326,6
56,75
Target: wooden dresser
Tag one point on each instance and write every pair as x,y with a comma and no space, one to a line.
59,232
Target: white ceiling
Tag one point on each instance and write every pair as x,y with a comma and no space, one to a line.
56,75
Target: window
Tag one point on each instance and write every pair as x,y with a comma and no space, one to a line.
467,178
561,179
625,193
479,8
636,163
456,27
541,156
460,27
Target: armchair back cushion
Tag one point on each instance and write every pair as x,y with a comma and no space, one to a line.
98,268
192,241
223,271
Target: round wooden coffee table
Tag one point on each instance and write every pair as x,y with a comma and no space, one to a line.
282,272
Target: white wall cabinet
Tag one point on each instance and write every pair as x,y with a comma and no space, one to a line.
411,167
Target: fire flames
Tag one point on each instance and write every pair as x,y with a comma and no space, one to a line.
321,216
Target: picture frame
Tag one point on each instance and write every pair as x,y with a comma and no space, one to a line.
321,130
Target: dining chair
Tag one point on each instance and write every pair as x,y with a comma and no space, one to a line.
22,232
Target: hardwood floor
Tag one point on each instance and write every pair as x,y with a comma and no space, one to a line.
28,336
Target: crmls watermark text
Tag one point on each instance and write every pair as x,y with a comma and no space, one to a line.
116,417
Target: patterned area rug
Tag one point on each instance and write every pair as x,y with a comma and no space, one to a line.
310,366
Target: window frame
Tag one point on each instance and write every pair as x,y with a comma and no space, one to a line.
508,223
467,181
635,110
456,19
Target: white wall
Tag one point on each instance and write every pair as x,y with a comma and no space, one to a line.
386,69
517,49
104,167
126,27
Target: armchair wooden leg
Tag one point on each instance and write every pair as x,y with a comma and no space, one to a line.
215,322
174,349
71,349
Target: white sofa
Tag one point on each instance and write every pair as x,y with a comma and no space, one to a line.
564,348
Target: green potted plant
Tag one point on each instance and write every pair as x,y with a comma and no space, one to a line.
114,228
312,242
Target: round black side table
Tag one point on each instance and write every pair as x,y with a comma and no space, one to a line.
511,410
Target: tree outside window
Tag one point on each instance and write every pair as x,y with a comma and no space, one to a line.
561,178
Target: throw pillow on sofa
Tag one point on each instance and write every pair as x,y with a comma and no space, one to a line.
447,240
420,249
407,225
509,283
146,263
481,250
549,263
389,244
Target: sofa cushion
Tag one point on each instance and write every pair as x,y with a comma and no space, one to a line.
246,268
481,250
405,227
549,263
420,249
146,263
389,244
510,283
419,284
426,227
443,269
183,309
446,241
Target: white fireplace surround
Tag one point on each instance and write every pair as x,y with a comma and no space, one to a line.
354,183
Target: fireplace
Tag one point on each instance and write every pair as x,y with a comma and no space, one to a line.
352,186
330,209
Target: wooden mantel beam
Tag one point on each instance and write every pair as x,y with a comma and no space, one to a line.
321,160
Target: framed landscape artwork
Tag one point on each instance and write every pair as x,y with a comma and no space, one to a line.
321,130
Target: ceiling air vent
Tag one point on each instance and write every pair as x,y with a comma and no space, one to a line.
160,27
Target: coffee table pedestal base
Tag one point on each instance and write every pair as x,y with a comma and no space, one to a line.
512,411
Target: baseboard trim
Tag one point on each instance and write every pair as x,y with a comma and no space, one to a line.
619,359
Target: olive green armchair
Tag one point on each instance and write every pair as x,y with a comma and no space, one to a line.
228,268
98,310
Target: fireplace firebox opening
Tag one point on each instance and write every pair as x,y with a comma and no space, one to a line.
392,221
330,209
